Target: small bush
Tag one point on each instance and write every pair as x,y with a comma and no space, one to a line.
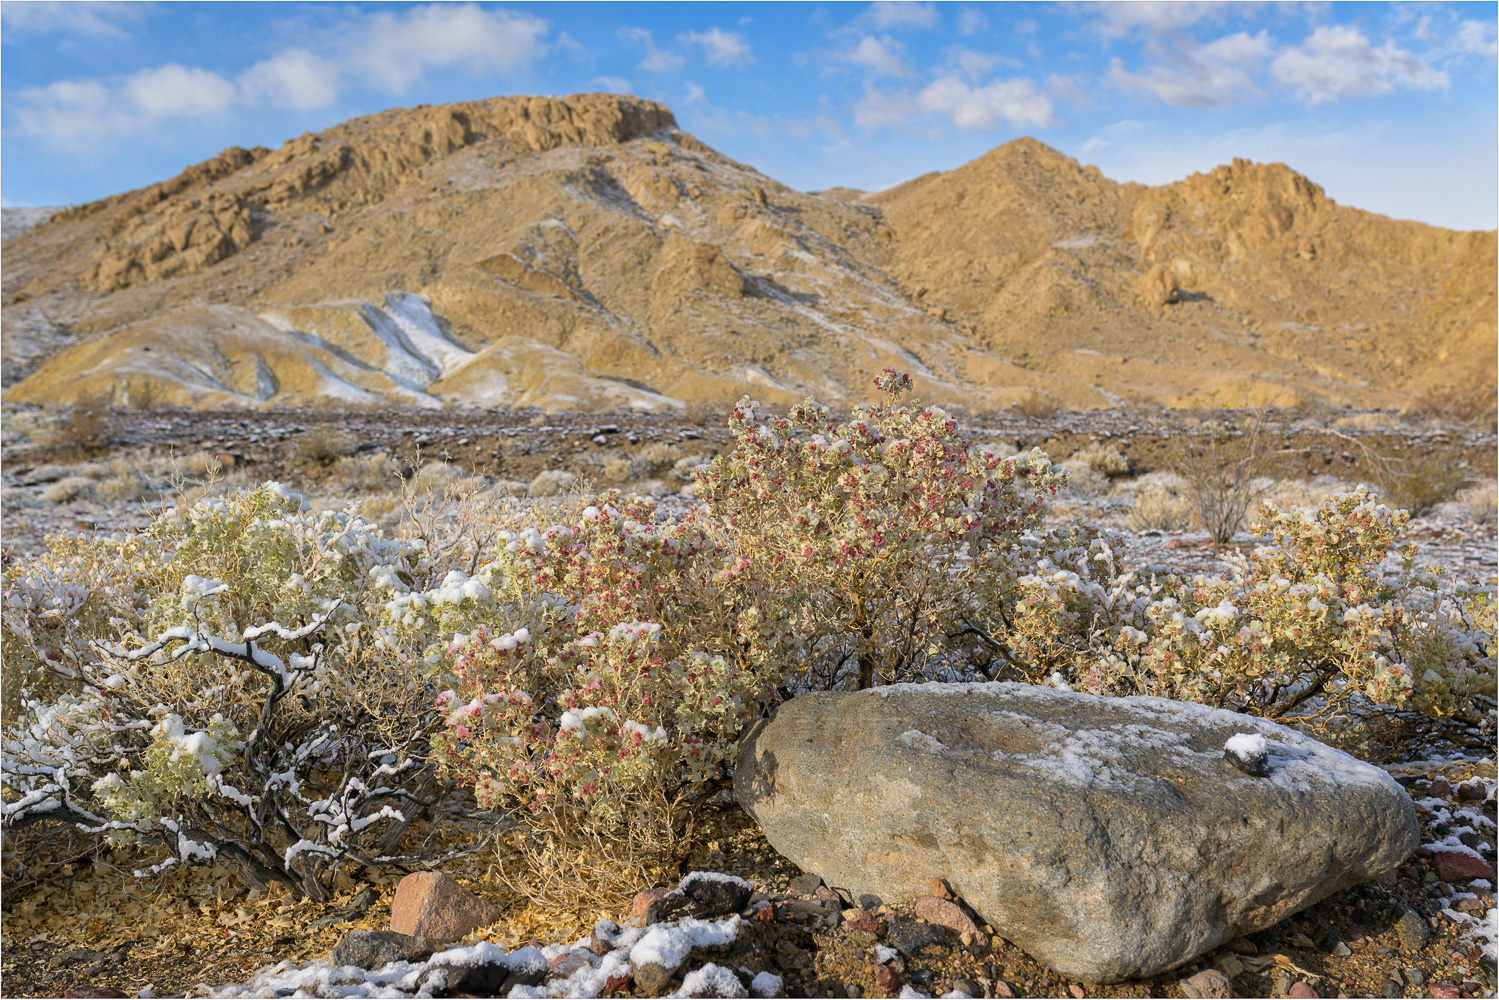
87,428
1109,461
1085,481
1158,509
368,472
69,489
1480,503
1039,406
553,482
325,444
655,459
615,469
1420,483
1226,466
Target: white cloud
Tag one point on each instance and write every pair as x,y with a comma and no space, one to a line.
887,14
79,18
392,50
1478,37
294,79
877,109
1210,76
976,65
972,21
1017,101
1338,61
882,56
1151,17
77,111
721,48
656,60
614,84
695,94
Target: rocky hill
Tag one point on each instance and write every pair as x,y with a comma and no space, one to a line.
585,253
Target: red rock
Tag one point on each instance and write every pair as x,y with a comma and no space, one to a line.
564,965
1002,989
1424,852
1460,866
941,889
1076,991
1440,788
1409,872
950,915
643,900
93,991
1243,946
823,892
1302,991
1444,991
886,981
616,984
433,905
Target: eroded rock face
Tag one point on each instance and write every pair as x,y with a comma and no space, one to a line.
1107,837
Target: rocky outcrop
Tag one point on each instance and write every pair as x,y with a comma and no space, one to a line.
1107,837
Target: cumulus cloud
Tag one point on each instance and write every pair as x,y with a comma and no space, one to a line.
880,55
615,84
1214,75
976,65
895,15
1018,101
294,79
78,18
75,111
1478,38
1150,17
657,60
1337,61
720,48
395,49
972,21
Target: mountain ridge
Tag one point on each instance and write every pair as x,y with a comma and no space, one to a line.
587,253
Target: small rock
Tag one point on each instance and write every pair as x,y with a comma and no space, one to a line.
1248,752
1469,839
702,895
1460,866
1413,930
651,978
1424,851
75,956
1228,963
1002,989
564,965
1440,788
941,889
1391,989
948,914
805,885
1334,946
917,940
968,986
644,898
1243,946
605,933
823,892
433,905
1415,977
1445,991
1207,983
870,902
1410,872
93,991
1077,991
377,949
1471,791
1302,991
887,981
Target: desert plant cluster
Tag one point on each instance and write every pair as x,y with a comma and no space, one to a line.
303,692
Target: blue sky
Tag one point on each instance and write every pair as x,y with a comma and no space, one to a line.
1391,107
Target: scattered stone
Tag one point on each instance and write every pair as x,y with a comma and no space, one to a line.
941,889
1228,963
604,935
641,904
1248,752
1077,991
377,949
76,956
651,978
433,905
887,981
1471,791
819,780
1445,991
948,914
485,970
918,940
1415,977
805,884
1301,991
1209,983
93,991
1002,989
567,963
1453,865
551,483
1413,929
1440,788
1392,989
1336,947
968,986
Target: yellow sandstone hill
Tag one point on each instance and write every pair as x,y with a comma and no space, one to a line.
584,253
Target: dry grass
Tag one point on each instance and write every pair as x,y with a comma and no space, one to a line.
368,472
1420,483
86,428
1039,406
326,443
69,489
1480,503
1158,509
1109,461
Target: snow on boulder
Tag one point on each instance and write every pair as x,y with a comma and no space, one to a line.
1108,837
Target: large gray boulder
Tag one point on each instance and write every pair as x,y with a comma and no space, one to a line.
1108,837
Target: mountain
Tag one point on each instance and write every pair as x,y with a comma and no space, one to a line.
585,253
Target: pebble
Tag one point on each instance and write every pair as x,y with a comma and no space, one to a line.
1415,977
1335,946
1302,991
1209,983
1440,788
1413,930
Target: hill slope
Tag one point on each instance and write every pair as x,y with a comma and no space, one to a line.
587,254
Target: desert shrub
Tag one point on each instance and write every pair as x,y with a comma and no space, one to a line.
1480,503
1109,461
219,686
1159,509
656,458
656,488
68,489
368,472
1301,630
701,414
1225,467
553,482
326,443
144,393
615,469
86,428
1421,482
1038,405
1085,481
1465,403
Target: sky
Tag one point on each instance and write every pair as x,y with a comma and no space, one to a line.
1391,107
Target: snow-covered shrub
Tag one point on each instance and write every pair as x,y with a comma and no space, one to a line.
611,691
220,686
1301,628
887,535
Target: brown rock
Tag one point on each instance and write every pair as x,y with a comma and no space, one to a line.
1002,989
1471,791
433,905
1301,991
1444,991
942,890
1243,946
1207,983
1077,991
93,991
564,965
887,981
948,914
1460,866
1160,286
1440,788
